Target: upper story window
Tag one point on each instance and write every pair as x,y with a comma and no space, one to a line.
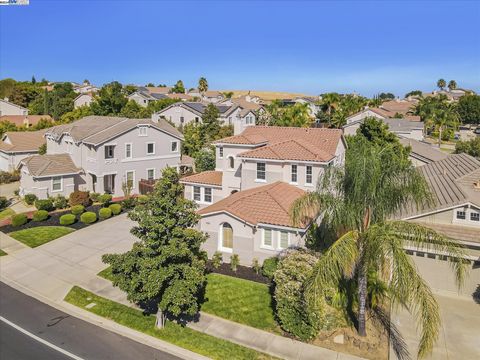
207,195
150,148
249,120
474,216
182,119
308,175
261,171
231,162
220,152
109,151
128,151
461,215
294,174
142,131
197,119
174,146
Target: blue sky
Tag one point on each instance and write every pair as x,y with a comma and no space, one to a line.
310,47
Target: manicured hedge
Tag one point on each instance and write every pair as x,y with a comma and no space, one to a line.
67,219
40,215
30,198
116,209
94,196
105,213
88,217
46,204
105,199
80,198
78,209
19,220
269,267
60,202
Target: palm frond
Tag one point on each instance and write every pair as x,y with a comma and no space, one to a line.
305,209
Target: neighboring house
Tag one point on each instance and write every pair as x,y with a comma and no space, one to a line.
401,127
284,160
9,108
107,151
210,96
143,98
422,153
455,212
82,100
85,88
313,107
183,97
25,121
16,146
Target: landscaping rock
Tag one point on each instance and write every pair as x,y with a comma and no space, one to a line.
339,339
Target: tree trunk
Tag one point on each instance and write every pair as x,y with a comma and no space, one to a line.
362,302
160,322
439,137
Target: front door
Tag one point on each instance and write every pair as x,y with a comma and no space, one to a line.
109,183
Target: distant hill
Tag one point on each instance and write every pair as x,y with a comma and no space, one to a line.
266,95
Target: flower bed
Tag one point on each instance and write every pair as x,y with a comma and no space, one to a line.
243,272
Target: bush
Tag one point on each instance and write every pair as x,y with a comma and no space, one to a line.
40,215
3,202
94,196
19,220
8,177
78,209
234,262
46,204
67,219
217,259
105,199
60,202
129,203
88,217
269,267
142,199
256,266
115,208
16,192
30,198
80,198
105,213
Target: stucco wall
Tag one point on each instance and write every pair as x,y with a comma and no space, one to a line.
82,101
140,100
11,109
174,114
217,194
42,187
449,217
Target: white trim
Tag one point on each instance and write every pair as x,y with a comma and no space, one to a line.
220,239
141,127
439,210
288,228
171,143
149,158
287,161
133,180
220,152
153,173
131,150
202,194
257,179
228,164
109,173
306,175
213,213
263,245
150,143
61,183
279,239
240,145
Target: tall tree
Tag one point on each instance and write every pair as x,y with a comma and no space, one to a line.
166,267
110,100
452,85
178,88
469,109
34,81
358,202
441,83
202,85
210,125
330,102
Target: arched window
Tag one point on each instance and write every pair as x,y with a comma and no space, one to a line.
227,236
231,162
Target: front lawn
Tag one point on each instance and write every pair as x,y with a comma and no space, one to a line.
239,300
37,236
2,253
6,213
106,273
173,333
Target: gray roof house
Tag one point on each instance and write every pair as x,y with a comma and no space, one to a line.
399,126
422,152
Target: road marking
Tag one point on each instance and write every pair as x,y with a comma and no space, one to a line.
39,339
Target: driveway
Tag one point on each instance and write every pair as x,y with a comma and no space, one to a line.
52,268
7,190
459,336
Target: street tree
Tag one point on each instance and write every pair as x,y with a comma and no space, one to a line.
202,85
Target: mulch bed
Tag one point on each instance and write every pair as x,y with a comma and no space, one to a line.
243,272
54,220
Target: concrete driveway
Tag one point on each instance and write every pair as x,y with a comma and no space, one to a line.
8,190
459,336
52,268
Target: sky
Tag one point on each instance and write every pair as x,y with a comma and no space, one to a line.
309,47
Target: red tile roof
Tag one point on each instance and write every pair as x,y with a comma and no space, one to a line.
205,177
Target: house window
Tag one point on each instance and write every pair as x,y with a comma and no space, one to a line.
227,237
461,215
207,195
229,120
151,174
128,151
249,120
182,119
294,175
308,175
261,171
231,162
174,146
142,131
196,119
109,151
220,152
130,178
196,193
57,184
474,216
150,148
283,244
267,238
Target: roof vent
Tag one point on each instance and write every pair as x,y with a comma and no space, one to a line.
476,185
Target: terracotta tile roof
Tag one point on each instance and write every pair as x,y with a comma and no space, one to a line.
268,204
22,141
205,177
20,120
400,106
49,165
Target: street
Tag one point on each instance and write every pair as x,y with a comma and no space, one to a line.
31,330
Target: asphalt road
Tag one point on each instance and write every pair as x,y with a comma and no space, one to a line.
30,329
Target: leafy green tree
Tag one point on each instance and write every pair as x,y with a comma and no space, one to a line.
414,93
6,87
42,150
157,105
210,125
386,96
205,159
193,139
330,102
132,110
6,126
129,89
23,93
470,147
178,88
34,81
42,124
166,267
150,85
202,85
367,193
228,94
110,100
56,102
469,109
452,85
76,114
441,83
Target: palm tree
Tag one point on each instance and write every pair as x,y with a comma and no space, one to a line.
441,84
452,85
202,85
330,102
358,202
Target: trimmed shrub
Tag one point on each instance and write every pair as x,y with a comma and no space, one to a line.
105,199
19,220
3,202
16,192
234,262
94,196
105,213
30,198
60,202
88,217
256,266
78,209
116,208
40,215
67,219
269,267
142,199
217,259
80,198
46,204
129,203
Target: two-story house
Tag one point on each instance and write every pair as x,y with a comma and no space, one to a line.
17,145
99,154
9,108
245,202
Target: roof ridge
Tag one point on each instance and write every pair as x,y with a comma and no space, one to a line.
273,198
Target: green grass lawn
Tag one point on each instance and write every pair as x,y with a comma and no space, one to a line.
2,253
181,336
239,300
37,236
6,213
106,273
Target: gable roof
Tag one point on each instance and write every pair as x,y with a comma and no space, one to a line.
50,165
422,150
401,125
23,141
205,177
10,103
400,106
268,204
